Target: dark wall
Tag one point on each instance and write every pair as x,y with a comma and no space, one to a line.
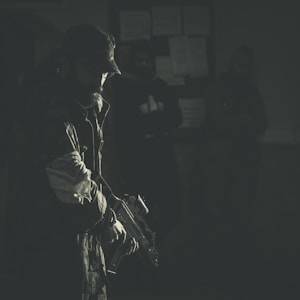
271,27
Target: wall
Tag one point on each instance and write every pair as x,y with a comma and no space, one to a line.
68,12
79,11
271,27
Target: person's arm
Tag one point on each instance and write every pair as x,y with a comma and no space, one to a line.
79,196
82,201
166,114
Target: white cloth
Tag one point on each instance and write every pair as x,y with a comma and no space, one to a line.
70,178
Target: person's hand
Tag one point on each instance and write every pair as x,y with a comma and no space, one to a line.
116,232
131,246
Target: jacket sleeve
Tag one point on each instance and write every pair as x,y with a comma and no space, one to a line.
69,177
164,119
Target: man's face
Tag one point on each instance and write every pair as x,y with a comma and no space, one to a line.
89,75
86,79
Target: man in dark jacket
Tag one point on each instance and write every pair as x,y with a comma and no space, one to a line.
59,216
143,129
145,116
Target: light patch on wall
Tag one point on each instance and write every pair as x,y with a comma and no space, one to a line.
193,111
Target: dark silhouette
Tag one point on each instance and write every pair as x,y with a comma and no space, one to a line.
145,114
229,168
58,218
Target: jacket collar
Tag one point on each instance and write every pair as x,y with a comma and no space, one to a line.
79,111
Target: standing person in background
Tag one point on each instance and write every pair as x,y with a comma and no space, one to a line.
235,118
145,114
58,214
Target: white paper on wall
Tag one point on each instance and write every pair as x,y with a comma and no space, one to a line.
166,20
198,56
165,71
135,25
193,111
180,55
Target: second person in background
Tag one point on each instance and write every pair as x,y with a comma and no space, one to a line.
145,115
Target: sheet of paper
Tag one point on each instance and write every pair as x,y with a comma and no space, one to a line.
166,20
196,20
135,25
180,55
165,71
198,54
193,111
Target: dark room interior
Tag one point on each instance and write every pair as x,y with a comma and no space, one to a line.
245,248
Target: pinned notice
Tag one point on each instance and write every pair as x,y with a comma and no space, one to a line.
135,25
193,111
180,55
164,70
166,20
197,48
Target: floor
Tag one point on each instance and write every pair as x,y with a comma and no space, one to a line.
220,269
225,268
210,293
267,285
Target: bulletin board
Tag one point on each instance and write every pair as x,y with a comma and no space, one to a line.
183,35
